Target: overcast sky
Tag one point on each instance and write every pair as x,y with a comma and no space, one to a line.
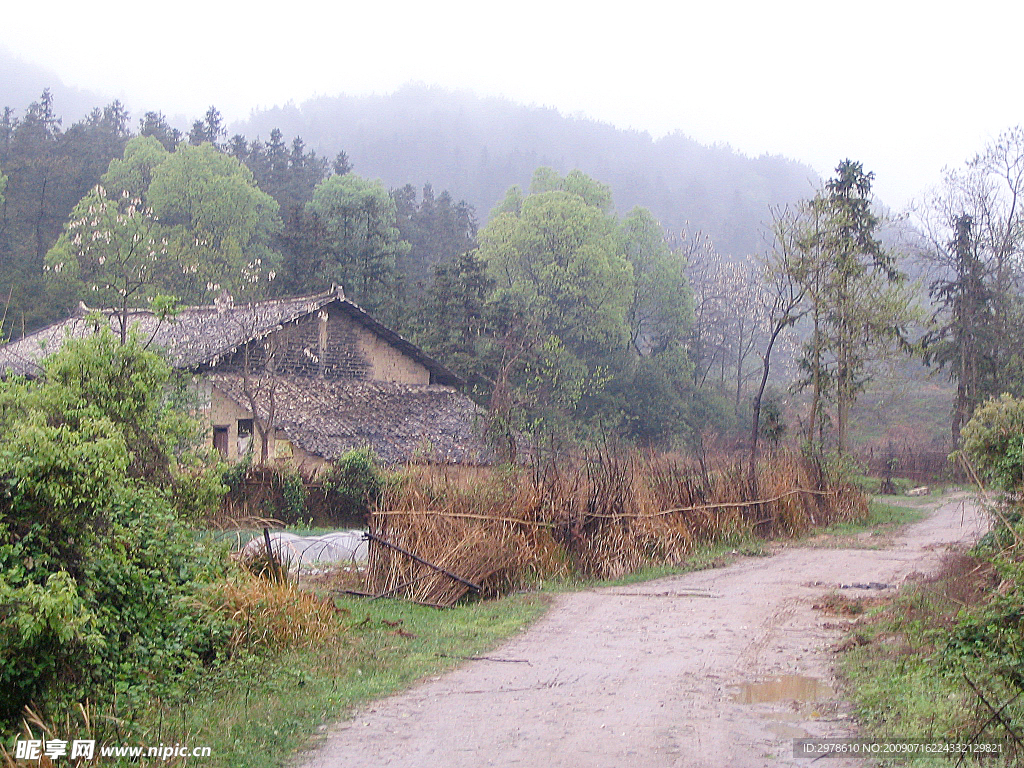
904,87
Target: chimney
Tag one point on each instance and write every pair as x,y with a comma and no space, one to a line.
224,301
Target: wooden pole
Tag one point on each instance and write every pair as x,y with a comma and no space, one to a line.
407,553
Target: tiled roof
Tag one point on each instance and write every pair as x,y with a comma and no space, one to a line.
198,337
400,422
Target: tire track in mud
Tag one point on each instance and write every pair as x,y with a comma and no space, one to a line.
648,676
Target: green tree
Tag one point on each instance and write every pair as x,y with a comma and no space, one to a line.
661,310
288,177
975,228
456,324
593,192
563,257
116,252
49,170
133,172
858,303
437,229
649,396
341,164
209,130
588,317
39,133
220,223
563,288
363,242
155,124
102,135
963,334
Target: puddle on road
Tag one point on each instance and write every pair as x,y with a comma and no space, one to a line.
783,688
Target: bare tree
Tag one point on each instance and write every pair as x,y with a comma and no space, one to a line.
974,224
783,295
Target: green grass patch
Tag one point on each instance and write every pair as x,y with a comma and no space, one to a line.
257,711
907,680
903,695
884,516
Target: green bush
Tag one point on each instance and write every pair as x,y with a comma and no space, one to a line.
353,484
994,441
292,490
989,637
97,569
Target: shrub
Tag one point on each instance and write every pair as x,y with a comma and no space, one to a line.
266,492
291,489
268,614
96,567
603,515
353,484
994,441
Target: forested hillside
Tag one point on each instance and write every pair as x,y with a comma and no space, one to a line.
563,305
478,147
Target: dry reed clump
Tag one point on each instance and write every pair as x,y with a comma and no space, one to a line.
608,519
78,724
272,614
478,525
600,516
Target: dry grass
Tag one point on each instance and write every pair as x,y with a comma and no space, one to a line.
273,614
601,516
79,722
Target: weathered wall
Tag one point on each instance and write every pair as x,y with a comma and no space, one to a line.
225,412
388,363
329,344
219,410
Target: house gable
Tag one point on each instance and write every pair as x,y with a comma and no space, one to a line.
323,335
315,375
332,344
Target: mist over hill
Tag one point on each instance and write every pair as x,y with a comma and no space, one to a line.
22,83
477,147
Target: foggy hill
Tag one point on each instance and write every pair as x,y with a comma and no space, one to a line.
477,147
22,83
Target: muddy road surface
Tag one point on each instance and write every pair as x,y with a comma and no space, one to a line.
723,667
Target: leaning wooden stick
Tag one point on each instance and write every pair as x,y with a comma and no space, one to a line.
407,553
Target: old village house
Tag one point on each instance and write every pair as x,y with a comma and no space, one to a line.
301,380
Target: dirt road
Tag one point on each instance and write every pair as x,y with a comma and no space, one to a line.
654,675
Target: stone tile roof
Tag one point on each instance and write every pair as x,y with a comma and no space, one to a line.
400,422
198,337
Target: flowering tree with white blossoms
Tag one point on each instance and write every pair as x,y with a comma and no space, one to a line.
115,251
